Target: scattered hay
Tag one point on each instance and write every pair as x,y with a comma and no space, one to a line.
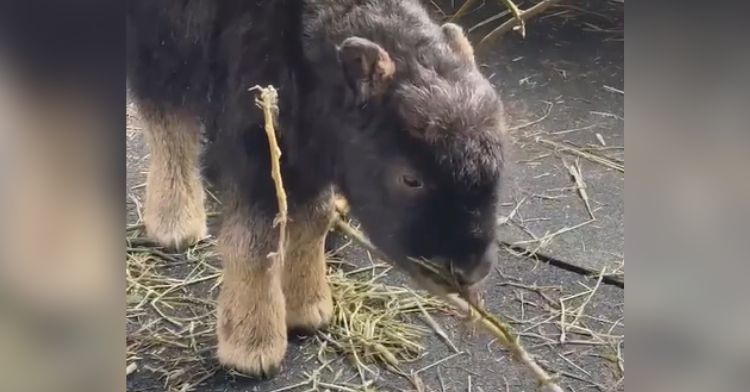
515,19
583,153
447,288
171,319
541,242
565,326
517,22
546,114
371,323
577,175
569,325
170,312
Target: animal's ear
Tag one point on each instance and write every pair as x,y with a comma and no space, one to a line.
367,67
457,40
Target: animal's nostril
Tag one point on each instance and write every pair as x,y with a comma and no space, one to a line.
477,268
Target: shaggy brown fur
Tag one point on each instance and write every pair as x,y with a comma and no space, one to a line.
174,212
251,313
308,297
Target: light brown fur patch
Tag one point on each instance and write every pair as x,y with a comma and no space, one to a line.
251,314
458,41
308,296
174,212
341,204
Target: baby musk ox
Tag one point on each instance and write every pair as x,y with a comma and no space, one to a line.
376,101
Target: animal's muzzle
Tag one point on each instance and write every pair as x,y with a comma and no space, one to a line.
476,268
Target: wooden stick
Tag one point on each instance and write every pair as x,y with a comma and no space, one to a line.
268,103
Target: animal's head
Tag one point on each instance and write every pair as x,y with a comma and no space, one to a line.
423,154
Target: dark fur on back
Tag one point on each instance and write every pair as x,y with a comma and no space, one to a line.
440,120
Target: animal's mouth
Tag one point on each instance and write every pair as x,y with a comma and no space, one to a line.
435,277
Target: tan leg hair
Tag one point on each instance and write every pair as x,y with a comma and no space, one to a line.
174,212
251,311
308,295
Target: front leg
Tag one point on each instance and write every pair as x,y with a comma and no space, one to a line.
251,325
308,296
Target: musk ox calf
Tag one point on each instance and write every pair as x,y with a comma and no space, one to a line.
377,102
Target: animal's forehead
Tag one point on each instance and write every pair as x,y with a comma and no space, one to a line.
459,122
474,162
439,108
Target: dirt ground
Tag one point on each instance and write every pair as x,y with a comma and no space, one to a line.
561,270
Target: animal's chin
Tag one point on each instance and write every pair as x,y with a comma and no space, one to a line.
427,279
424,275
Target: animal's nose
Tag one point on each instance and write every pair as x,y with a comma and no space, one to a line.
477,267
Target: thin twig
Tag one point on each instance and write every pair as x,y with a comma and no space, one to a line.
439,361
268,102
548,110
462,10
614,90
488,20
500,330
435,326
575,172
524,15
579,312
517,15
574,151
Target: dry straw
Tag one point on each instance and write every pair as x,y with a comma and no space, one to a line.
172,321
516,23
453,295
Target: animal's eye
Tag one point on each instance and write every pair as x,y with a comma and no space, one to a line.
411,181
